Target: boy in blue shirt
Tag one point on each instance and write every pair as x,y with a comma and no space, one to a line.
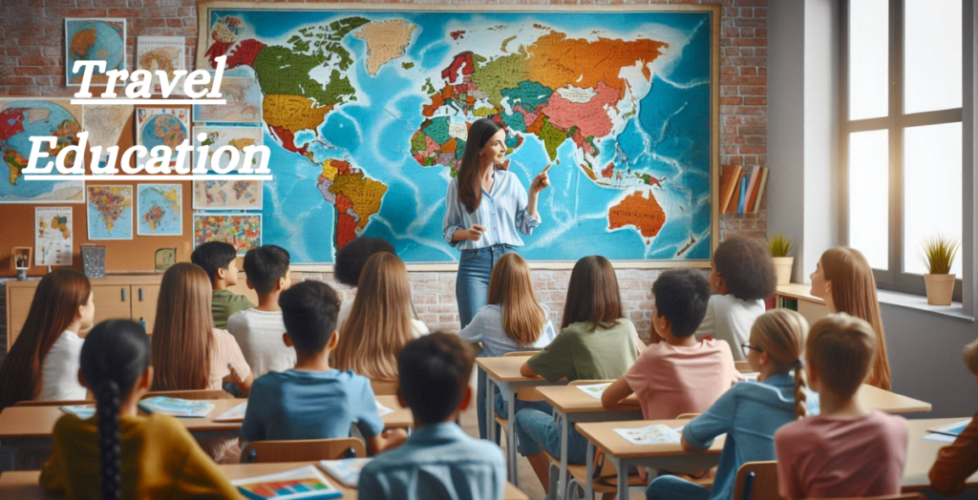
314,401
439,460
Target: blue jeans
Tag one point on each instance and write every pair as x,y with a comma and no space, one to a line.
537,431
472,282
673,488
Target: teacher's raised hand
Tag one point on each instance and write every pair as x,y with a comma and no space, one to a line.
541,181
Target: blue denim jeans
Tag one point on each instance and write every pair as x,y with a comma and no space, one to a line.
472,282
537,431
673,488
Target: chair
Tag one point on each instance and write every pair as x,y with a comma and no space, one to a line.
305,450
192,394
385,387
56,402
757,480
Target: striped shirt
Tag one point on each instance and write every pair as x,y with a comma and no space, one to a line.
226,352
502,212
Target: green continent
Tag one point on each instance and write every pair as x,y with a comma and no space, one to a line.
498,74
552,138
438,130
407,65
528,95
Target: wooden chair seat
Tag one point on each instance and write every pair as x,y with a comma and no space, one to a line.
607,482
193,394
306,450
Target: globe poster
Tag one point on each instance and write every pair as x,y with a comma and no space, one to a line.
94,40
366,115
23,118
163,127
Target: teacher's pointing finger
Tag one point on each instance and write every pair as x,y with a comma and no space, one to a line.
541,181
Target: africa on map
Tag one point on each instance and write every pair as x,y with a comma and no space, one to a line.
366,116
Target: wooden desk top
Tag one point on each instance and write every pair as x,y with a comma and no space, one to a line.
24,485
37,422
891,402
603,435
507,368
569,399
798,291
922,453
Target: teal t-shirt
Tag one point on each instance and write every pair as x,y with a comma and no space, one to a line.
579,353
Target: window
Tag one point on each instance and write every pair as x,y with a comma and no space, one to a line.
901,133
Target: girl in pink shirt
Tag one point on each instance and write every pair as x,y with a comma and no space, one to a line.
848,450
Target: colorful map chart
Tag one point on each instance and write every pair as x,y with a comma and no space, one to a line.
53,236
163,127
94,40
162,53
236,137
366,114
244,231
109,212
242,195
243,96
159,209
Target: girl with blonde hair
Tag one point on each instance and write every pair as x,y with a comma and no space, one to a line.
381,321
513,320
844,279
749,413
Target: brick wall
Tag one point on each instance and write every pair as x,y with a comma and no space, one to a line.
32,63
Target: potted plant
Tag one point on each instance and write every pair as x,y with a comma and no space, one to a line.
938,254
780,248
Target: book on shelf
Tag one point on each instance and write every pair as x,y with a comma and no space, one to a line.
729,175
743,195
761,185
755,178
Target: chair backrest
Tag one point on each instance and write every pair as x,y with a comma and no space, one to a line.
521,353
55,402
760,478
687,416
307,450
742,366
384,387
193,394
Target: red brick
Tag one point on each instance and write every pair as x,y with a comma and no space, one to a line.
756,101
752,149
740,42
752,90
732,101
751,130
748,71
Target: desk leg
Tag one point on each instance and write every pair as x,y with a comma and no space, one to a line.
622,466
514,471
589,485
564,436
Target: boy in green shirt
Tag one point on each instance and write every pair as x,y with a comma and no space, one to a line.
218,260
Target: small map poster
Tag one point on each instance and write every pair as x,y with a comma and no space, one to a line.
230,194
94,40
109,212
241,230
163,127
237,137
243,96
159,209
53,236
166,53
104,124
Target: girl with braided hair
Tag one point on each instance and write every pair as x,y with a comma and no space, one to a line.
117,453
750,412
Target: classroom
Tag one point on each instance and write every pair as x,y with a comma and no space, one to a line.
487,250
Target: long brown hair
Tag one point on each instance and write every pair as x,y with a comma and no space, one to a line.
593,295
854,293
781,334
380,324
841,347
469,170
183,330
55,304
511,287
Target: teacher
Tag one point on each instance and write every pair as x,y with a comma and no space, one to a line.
487,208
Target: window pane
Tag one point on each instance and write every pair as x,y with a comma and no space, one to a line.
869,184
932,190
932,59
868,58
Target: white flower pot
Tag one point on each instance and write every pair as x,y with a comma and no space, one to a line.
940,289
783,267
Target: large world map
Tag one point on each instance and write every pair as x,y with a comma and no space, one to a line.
366,115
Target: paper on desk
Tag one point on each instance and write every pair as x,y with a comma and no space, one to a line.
383,410
954,429
235,414
940,438
81,411
594,390
653,434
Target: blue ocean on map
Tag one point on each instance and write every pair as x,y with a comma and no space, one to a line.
665,139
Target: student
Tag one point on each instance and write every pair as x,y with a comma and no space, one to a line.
439,460
958,461
259,330
118,453
513,320
349,265
218,260
743,276
749,413
595,342
681,374
313,401
43,362
381,322
845,281
848,450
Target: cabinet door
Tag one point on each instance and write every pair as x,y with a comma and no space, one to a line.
144,304
19,304
112,302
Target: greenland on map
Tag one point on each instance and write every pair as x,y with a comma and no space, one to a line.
366,116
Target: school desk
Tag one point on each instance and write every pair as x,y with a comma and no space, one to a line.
506,369
922,453
24,485
32,425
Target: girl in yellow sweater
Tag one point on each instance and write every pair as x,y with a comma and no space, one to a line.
118,453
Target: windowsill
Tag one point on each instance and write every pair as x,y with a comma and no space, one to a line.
919,303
